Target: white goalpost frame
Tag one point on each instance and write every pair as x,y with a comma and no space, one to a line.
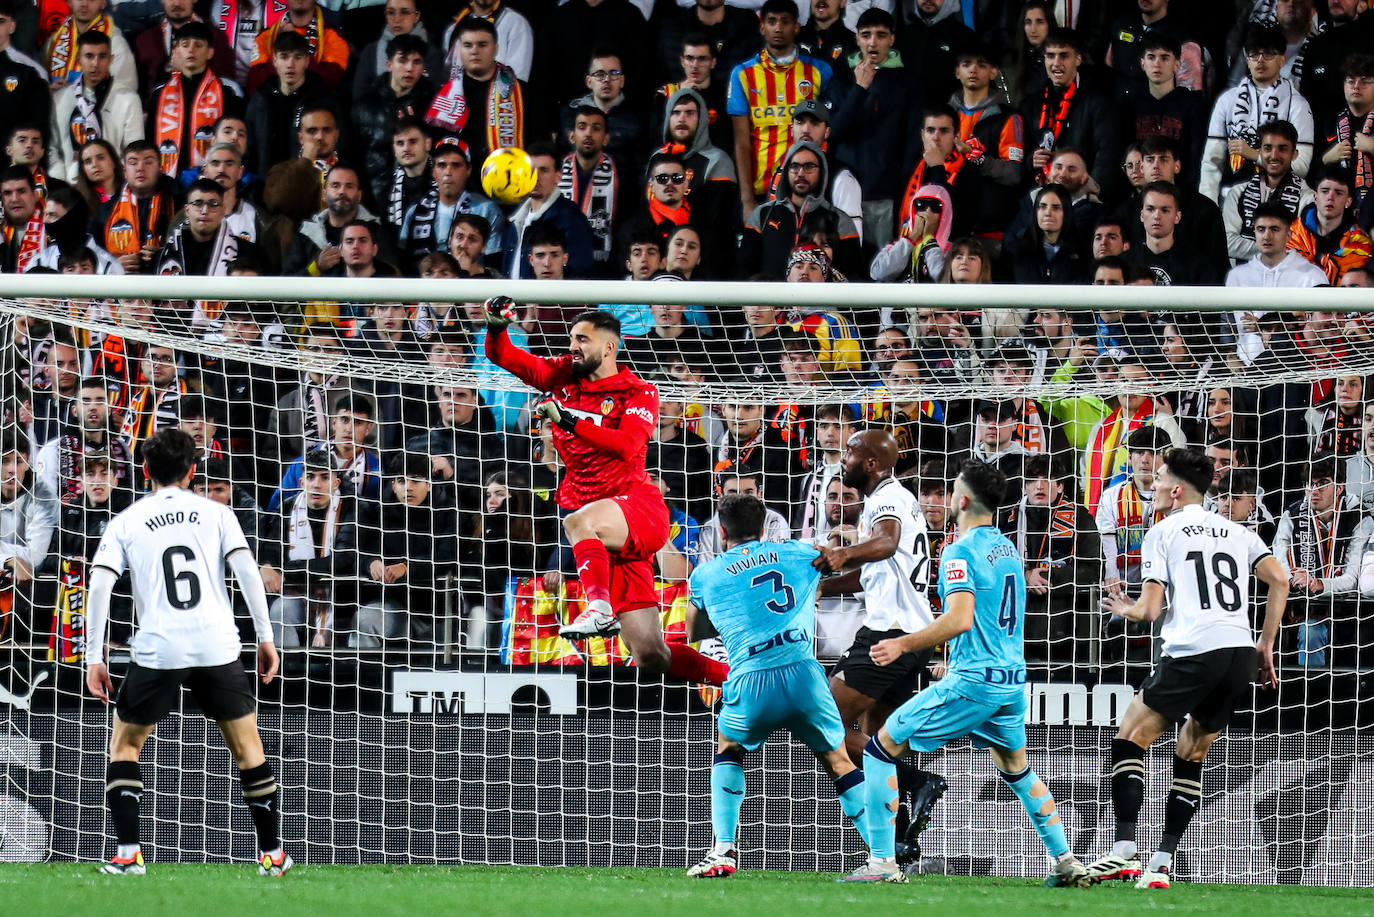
536,790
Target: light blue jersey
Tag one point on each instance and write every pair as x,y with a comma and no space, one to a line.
761,599
991,654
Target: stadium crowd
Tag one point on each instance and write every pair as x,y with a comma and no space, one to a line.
1104,142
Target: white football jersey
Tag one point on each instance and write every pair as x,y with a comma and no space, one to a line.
174,544
1205,563
896,590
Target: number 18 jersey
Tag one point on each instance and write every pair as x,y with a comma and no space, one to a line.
1204,562
761,599
174,544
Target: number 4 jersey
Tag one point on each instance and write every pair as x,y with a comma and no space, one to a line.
174,545
761,599
990,655
896,590
1204,562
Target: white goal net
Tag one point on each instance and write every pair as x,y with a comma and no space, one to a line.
428,712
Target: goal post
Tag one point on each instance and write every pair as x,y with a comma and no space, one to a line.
427,711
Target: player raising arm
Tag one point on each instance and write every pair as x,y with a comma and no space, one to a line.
1202,561
761,599
983,588
603,417
175,546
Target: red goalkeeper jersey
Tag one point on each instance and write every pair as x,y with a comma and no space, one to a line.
604,454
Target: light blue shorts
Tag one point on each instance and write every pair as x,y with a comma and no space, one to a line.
795,697
953,708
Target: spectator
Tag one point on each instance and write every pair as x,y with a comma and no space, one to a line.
405,544
1299,22
1190,363
1051,251
757,346
67,222
944,343
1011,368
54,389
403,18
1351,132
514,36
26,146
1069,169
810,124
1335,427
99,174
1126,511
606,84
402,97
468,243
712,186
204,244
328,49
699,64
269,234
358,256
761,130
670,339
25,236
182,112
1058,541
316,248
1264,95
1167,260
994,442
91,107
1324,55
318,137
1320,542
751,484
824,34
773,229
274,110
1275,265
720,35
436,215
1274,180
1159,105
918,423
356,463
28,515
944,165
315,552
1071,111
589,178
136,221
1130,31
1023,69
1325,231
547,208
838,617
24,93
483,102
1051,342
461,446
872,100
750,444
301,419
153,47
62,55
570,30
1239,498
214,481
508,539
1200,227
58,465
833,425
933,34
1106,460
1359,466
155,405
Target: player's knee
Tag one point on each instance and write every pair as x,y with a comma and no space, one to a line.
579,525
654,659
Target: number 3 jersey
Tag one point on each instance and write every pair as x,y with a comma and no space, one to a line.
761,599
896,590
1204,562
991,654
174,545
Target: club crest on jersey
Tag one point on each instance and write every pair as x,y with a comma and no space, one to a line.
804,89
11,83
956,571
607,405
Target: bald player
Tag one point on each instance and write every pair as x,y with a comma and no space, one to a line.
890,563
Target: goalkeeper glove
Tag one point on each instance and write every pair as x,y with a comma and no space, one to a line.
500,312
549,408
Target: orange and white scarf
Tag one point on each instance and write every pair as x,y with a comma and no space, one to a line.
62,62
34,240
206,109
124,234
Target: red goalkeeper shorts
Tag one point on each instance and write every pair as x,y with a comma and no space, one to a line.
632,567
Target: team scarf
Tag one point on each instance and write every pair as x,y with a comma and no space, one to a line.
422,236
85,123
151,411
1053,114
1105,466
71,451
1313,547
31,245
505,108
206,109
1031,432
1132,510
273,21
67,636
40,181
1340,432
1061,521
396,202
1252,108
124,232
1363,166
598,202
315,410
173,261
62,62
301,536
1288,193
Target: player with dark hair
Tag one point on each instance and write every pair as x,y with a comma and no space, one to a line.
760,598
603,417
1204,562
983,589
175,546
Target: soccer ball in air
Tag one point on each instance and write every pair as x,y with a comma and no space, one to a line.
508,175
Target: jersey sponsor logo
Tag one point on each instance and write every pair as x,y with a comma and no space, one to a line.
791,635
956,571
643,414
771,114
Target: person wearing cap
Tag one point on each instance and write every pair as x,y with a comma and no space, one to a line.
774,228
404,93
328,49
688,129
994,442
60,52
274,111
811,124
429,223
153,46
182,111
89,107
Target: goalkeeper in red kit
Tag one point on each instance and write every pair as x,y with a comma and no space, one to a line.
603,418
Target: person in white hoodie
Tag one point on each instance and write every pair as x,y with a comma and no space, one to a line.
1274,266
91,106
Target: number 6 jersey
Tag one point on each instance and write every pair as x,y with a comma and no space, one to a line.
174,545
896,590
1204,562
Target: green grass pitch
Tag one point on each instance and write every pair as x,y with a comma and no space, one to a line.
479,891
